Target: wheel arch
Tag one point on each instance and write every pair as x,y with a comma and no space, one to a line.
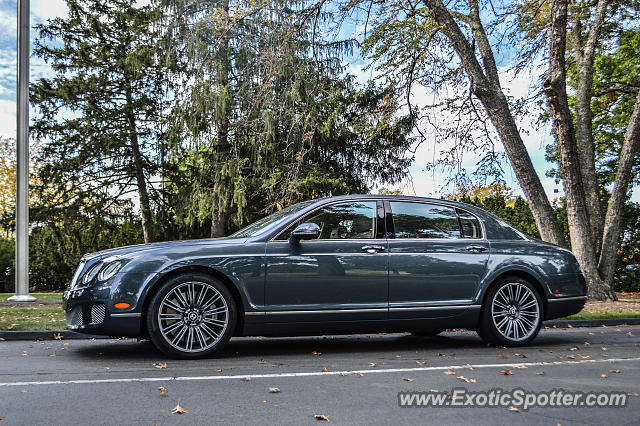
519,273
214,273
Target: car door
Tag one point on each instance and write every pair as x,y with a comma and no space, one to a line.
437,256
340,276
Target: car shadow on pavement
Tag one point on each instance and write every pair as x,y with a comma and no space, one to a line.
349,344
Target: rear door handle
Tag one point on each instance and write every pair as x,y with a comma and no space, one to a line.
476,249
373,249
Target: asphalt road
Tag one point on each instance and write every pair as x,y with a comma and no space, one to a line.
115,381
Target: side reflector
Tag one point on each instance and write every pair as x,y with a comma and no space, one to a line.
557,292
122,305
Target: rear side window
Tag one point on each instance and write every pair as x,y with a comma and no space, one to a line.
419,220
469,224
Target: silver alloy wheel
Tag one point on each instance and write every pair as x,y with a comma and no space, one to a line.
515,311
193,316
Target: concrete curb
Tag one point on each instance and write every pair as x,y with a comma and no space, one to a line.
68,335
47,335
592,323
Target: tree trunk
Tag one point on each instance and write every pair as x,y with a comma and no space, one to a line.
488,90
555,90
610,242
218,214
141,183
584,120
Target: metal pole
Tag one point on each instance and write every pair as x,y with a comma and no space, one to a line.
22,169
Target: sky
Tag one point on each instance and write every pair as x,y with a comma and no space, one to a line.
421,182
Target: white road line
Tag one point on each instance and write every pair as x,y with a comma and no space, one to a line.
312,373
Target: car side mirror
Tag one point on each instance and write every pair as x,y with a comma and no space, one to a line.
305,231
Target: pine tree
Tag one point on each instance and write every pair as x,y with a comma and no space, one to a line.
99,114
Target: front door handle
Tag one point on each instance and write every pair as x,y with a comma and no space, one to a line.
373,249
476,249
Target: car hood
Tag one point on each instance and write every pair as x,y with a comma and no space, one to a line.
140,248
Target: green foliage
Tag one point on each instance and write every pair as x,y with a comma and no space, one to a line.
99,115
7,263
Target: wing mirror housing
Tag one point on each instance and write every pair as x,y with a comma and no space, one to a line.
304,231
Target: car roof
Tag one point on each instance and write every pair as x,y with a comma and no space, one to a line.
395,197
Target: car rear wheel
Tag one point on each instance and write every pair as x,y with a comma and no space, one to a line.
191,316
512,313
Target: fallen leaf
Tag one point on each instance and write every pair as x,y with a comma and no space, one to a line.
506,372
406,379
464,379
450,372
324,369
569,326
1,339
604,376
160,364
219,370
343,374
274,390
540,373
575,348
372,364
585,356
163,390
503,356
469,367
359,374
636,394
615,371
246,379
23,391
58,336
316,353
520,366
605,348
630,334
587,344
421,362
178,410
262,361
571,356
321,417
512,408
520,355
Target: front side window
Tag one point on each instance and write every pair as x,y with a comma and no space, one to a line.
418,220
350,220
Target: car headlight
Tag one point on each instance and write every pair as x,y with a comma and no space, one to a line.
109,270
89,276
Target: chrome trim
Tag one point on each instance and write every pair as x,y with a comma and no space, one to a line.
431,308
328,311
127,315
560,299
255,313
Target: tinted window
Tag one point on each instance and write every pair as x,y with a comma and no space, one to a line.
417,220
351,220
470,225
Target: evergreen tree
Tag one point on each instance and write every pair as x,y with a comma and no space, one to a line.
99,115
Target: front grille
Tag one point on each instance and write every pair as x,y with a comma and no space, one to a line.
97,313
74,316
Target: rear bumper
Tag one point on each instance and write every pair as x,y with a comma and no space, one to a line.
562,307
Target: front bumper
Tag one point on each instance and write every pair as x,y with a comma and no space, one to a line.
564,306
90,310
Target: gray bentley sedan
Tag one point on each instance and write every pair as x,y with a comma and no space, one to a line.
348,264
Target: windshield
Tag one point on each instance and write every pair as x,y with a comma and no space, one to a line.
262,224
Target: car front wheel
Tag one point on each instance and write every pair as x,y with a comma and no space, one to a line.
191,316
512,313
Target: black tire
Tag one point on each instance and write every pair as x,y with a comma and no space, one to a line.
488,328
209,344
